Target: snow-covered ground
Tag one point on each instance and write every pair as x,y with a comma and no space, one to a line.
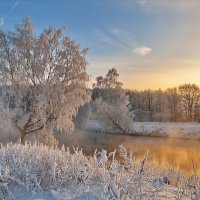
165,192
163,129
32,172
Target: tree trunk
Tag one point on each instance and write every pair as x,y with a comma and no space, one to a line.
22,136
21,131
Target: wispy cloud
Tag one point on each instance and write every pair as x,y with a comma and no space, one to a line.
111,37
119,38
105,38
142,50
13,7
124,37
9,12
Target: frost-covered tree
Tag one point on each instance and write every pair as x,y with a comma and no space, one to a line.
159,106
173,103
114,113
190,97
111,105
43,78
143,104
109,81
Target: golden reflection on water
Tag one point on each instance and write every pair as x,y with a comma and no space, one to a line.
177,157
165,152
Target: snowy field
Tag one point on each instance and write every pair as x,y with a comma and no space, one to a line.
162,129
39,173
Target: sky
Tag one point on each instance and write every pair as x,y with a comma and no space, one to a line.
152,43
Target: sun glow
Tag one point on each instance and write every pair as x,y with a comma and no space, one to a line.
163,80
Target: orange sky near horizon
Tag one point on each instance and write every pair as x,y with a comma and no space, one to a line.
162,80
155,78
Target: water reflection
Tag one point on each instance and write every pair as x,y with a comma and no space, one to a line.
163,151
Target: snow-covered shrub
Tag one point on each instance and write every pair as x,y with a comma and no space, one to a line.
5,179
70,173
110,104
39,168
113,111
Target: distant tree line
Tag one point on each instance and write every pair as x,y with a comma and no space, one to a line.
174,104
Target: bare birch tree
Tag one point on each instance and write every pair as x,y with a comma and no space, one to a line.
43,78
112,104
190,96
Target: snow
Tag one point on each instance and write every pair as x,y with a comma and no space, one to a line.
20,194
162,129
37,172
168,129
165,191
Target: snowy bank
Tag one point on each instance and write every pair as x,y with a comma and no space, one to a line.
162,129
37,172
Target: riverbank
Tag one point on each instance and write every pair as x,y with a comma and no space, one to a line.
187,130
38,172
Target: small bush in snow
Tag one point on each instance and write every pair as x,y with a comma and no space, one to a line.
38,167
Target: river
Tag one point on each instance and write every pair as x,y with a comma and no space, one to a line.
164,152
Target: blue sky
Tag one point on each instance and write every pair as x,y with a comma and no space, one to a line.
152,43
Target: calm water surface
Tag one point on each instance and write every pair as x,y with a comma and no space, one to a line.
162,151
